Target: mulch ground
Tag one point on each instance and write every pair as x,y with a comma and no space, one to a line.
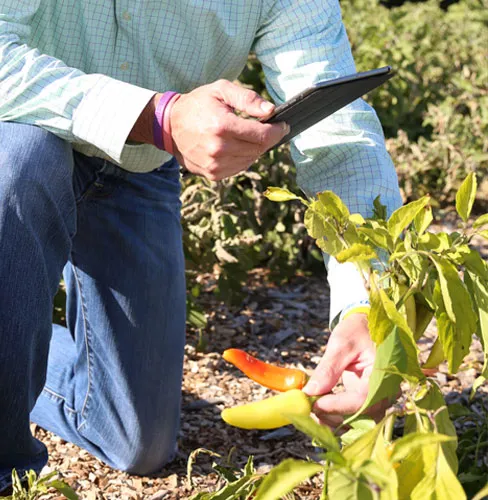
286,325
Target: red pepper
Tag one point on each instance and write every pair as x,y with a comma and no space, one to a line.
270,376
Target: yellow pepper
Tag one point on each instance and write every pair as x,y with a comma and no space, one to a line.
269,413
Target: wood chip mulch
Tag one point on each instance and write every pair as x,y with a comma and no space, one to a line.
284,324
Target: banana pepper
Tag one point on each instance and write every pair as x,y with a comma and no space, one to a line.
269,413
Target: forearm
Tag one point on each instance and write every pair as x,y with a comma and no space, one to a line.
41,90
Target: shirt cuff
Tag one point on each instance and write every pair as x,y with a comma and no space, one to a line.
107,114
347,288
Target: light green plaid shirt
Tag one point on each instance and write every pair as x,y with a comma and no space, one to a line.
85,69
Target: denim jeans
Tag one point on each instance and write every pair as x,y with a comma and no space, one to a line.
111,381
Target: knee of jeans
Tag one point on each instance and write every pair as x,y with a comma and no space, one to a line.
35,167
146,452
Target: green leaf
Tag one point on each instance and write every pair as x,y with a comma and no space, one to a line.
480,291
379,237
482,494
439,481
196,317
357,219
407,444
285,477
402,217
380,325
64,489
455,314
249,469
480,221
477,384
333,205
379,210
356,253
475,264
433,401
244,485
436,355
384,385
359,427
319,433
465,196
314,221
423,219
280,194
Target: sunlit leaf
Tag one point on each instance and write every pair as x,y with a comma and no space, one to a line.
436,355
357,219
384,385
356,253
333,205
407,444
465,196
285,477
402,217
280,194
480,221
321,434
314,221
423,219
434,401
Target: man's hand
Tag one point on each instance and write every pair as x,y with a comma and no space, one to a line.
350,354
211,140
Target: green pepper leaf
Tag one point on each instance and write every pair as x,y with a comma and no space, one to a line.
407,444
402,217
333,205
319,433
282,479
356,253
384,385
465,196
423,219
480,221
280,194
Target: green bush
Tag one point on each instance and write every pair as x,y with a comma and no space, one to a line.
438,98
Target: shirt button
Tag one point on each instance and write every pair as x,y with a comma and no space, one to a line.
124,66
126,16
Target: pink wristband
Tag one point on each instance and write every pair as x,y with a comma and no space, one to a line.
167,138
159,117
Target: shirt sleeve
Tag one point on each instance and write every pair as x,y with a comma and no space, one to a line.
41,90
298,44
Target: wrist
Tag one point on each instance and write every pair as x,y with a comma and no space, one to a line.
142,131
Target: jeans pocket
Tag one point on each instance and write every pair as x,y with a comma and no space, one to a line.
92,178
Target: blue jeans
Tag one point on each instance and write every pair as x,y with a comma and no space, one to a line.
111,381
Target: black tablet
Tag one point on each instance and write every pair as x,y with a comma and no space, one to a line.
324,98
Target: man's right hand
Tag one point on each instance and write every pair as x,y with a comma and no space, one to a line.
211,140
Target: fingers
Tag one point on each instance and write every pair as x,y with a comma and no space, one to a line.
343,403
211,140
243,99
328,372
264,135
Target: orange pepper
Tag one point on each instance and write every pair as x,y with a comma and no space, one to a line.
270,376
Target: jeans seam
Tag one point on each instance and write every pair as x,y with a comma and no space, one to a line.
62,398
87,346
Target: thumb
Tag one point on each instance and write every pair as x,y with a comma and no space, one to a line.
329,370
244,100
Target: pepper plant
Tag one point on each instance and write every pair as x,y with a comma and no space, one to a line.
412,274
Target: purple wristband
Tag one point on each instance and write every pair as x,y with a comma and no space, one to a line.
158,119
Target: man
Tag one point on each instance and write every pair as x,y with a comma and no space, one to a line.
83,187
